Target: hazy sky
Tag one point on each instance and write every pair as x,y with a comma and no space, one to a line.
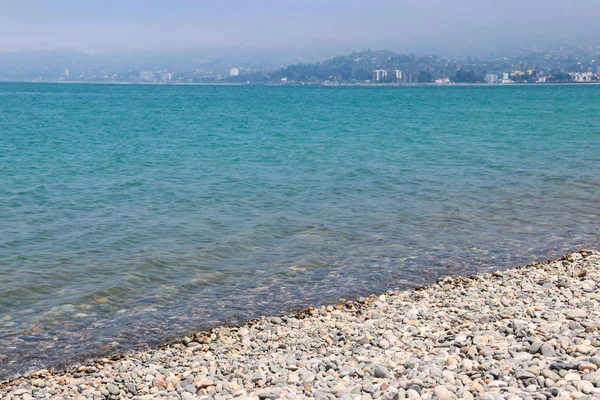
293,25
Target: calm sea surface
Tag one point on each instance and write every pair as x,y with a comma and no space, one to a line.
131,214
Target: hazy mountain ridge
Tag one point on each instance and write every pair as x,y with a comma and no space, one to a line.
184,66
362,66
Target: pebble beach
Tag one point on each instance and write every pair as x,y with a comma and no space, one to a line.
530,332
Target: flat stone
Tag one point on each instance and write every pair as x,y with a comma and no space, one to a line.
535,347
522,374
113,389
272,393
204,383
547,373
305,376
571,376
563,365
379,371
586,387
443,393
593,377
547,351
132,388
522,356
412,394
577,314
191,388
587,366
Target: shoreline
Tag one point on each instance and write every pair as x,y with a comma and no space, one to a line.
313,84
519,332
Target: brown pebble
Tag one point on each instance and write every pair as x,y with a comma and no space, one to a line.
588,366
477,387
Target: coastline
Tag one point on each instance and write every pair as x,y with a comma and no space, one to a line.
317,84
525,332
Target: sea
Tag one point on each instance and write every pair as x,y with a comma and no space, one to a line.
133,214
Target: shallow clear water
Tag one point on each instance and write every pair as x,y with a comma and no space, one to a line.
130,214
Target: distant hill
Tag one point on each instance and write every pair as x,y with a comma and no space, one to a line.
388,67
381,66
360,66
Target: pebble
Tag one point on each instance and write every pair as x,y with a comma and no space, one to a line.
443,393
547,351
577,314
572,377
380,371
585,386
112,389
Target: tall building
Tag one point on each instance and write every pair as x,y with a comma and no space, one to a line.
398,74
506,78
491,78
380,74
234,72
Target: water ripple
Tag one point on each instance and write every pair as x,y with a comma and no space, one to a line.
131,214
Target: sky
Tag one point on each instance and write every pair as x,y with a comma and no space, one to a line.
446,26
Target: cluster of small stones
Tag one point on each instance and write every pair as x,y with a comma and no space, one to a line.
525,333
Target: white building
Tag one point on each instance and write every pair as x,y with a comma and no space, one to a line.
398,74
146,76
380,74
582,76
491,78
506,78
442,81
167,76
234,72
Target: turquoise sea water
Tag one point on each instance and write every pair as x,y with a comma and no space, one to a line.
130,214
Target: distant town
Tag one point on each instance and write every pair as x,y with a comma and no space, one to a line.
522,66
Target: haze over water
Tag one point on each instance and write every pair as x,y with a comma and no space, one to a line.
130,214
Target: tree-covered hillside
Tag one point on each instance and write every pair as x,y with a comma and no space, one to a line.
522,65
361,66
